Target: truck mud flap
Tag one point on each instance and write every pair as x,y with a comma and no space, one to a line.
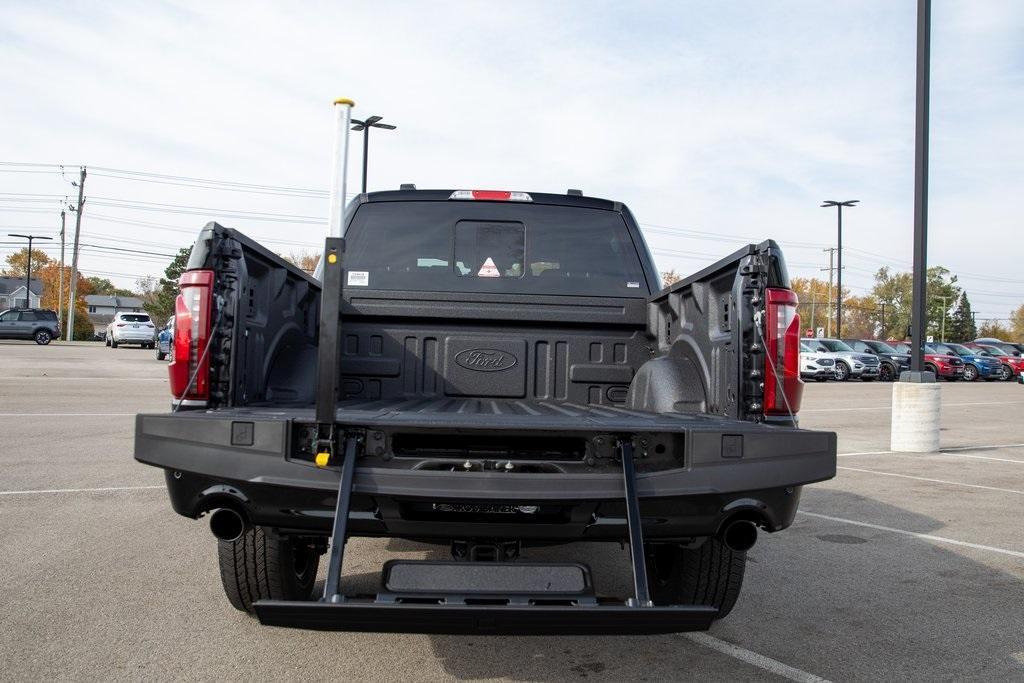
534,619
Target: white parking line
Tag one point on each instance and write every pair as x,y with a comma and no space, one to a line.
915,534
888,407
760,661
104,488
937,481
66,414
951,452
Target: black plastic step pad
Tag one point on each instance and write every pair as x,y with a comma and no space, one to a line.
411,576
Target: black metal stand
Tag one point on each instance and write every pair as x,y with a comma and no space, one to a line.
340,530
635,524
328,349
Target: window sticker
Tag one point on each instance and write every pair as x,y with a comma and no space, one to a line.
358,278
489,269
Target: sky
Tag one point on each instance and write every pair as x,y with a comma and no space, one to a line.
717,123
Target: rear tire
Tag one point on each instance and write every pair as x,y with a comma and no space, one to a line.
106,341
887,373
42,337
262,565
113,343
709,575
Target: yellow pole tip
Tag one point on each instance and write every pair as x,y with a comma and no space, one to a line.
322,458
345,100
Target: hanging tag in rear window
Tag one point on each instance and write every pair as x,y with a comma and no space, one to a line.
489,269
358,278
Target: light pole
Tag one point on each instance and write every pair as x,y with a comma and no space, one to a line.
365,126
828,203
28,265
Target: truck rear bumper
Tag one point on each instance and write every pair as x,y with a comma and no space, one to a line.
729,469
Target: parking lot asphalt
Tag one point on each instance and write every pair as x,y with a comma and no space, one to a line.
905,566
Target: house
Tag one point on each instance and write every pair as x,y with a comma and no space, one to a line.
102,309
12,293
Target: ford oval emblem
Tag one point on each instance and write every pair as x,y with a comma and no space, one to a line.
485,360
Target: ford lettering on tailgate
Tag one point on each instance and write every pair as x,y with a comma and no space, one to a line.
485,360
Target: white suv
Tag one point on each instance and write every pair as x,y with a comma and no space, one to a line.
131,328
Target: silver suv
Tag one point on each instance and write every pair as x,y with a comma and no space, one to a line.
849,363
37,324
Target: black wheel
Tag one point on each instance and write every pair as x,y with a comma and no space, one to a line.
1007,373
932,369
842,372
709,575
887,373
970,373
264,565
106,341
113,343
42,337
160,355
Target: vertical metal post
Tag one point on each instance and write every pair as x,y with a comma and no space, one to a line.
339,167
60,286
883,319
366,153
920,293
28,275
839,277
634,524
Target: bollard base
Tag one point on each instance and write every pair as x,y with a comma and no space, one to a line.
916,403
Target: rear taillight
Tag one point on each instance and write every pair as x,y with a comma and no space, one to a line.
191,335
783,388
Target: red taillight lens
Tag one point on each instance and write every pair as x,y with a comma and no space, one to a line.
782,384
191,335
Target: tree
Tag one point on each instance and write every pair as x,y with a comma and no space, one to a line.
101,285
670,277
306,260
995,329
17,261
861,317
895,291
961,327
943,292
1017,325
814,306
158,299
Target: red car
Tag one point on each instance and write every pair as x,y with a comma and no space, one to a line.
1013,362
949,368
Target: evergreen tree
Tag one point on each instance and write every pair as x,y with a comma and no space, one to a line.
961,327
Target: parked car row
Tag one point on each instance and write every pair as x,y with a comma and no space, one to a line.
871,359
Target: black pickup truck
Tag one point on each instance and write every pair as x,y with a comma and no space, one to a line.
488,371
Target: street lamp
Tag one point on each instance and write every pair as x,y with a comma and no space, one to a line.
28,265
828,203
365,126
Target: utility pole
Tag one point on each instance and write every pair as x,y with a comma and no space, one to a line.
28,264
60,287
828,318
74,255
883,319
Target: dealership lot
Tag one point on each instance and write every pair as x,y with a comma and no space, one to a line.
904,566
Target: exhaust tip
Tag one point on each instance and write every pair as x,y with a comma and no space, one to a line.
740,536
227,525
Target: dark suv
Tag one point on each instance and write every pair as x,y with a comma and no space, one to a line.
893,362
29,323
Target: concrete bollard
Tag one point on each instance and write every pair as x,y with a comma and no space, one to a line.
915,416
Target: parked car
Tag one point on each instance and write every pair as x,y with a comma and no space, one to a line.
849,363
815,364
165,340
38,324
949,368
131,328
478,368
977,362
1009,358
892,361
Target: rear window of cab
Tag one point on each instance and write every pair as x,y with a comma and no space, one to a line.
500,247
